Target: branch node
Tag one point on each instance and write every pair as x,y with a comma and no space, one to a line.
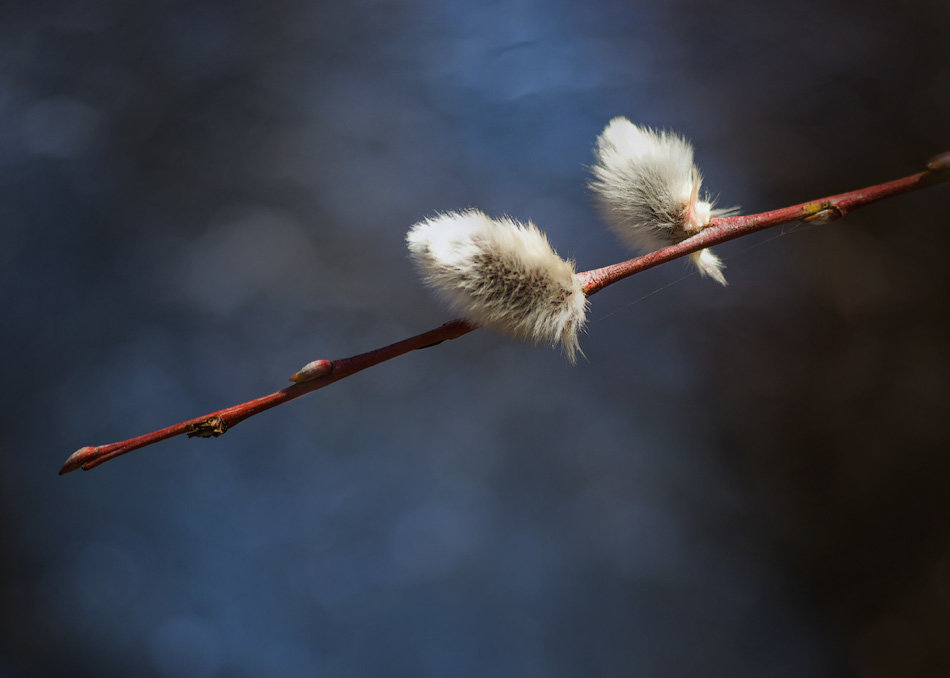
825,213
212,427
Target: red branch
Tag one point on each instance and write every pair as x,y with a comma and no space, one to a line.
322,373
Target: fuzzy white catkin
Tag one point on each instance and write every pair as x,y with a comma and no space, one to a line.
501,274
647,188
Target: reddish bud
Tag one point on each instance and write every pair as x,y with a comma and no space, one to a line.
312,370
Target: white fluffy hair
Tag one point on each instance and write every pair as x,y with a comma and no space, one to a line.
647,188
501,274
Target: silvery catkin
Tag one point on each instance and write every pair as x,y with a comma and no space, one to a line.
647,188
502,274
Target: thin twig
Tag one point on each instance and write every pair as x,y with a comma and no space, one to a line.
217,423
322,373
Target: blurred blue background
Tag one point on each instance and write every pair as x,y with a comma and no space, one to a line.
197,198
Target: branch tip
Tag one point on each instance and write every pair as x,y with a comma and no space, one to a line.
78,458
940,162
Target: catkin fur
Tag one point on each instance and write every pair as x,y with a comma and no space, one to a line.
501,274
647,188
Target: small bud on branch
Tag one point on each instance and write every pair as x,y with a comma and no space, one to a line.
312,370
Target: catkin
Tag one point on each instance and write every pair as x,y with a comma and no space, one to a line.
647,189
501,274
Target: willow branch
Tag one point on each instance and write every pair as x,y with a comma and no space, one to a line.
321,373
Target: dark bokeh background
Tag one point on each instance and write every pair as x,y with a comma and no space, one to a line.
198,198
